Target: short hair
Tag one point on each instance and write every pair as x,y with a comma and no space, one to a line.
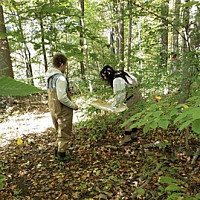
59,59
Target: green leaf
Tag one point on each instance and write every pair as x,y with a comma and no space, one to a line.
141,191
11,87
172,188
180,117
196,113
185,124
153,125
163,124
134,125
197,196
175,196
2,177
174,112
157,113
1,184
167,179
153,107
166,117
146,128
196,126
125,123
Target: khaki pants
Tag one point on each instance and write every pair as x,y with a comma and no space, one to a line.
62,119
133,106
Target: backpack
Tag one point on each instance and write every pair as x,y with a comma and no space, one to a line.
124,76
51,82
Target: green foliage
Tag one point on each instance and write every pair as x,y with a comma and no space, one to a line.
11,87
163,114
174,189
171,187
2,178
98,124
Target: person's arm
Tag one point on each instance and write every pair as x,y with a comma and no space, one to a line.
119,89
61,84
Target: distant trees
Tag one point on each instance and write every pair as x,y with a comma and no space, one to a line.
158,40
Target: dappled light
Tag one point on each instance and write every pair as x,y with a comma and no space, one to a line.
100,100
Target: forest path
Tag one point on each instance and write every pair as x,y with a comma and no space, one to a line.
17,126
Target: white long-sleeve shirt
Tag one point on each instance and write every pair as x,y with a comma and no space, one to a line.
61,87
119,89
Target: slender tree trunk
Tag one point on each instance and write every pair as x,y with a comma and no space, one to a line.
140,45
5,63
112,47
121,33
81,5
185,86
175,37
43,44
176,24
164,33
195,36
129,35
27,53
115,11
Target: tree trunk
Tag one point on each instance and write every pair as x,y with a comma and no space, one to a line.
129,35
176,24
185,85
81,5
175,37
164,33
116,29
6,63
121,34
43,44
27,53
112,47
140,44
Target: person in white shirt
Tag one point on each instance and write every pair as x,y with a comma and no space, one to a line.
125,91
60,105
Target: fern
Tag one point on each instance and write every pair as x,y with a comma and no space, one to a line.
11,87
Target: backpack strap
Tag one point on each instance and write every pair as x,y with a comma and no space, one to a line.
51,82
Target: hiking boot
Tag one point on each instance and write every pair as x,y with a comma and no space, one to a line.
133,136
56,151
126,140
62,156
134,130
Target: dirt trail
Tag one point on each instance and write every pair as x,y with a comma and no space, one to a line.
19,125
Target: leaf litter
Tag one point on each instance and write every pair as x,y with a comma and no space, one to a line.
100,169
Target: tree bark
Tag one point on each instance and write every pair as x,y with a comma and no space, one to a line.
186,75
176,24
129,35
27,53
115,11
164,33
43,44
81,5
6,63
121,34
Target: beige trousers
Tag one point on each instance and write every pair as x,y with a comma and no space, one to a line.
62,119
133,106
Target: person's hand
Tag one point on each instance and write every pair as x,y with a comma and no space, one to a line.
76,107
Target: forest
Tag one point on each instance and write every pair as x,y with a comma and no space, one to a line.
158,42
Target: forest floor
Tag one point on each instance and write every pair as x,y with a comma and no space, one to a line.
155,165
